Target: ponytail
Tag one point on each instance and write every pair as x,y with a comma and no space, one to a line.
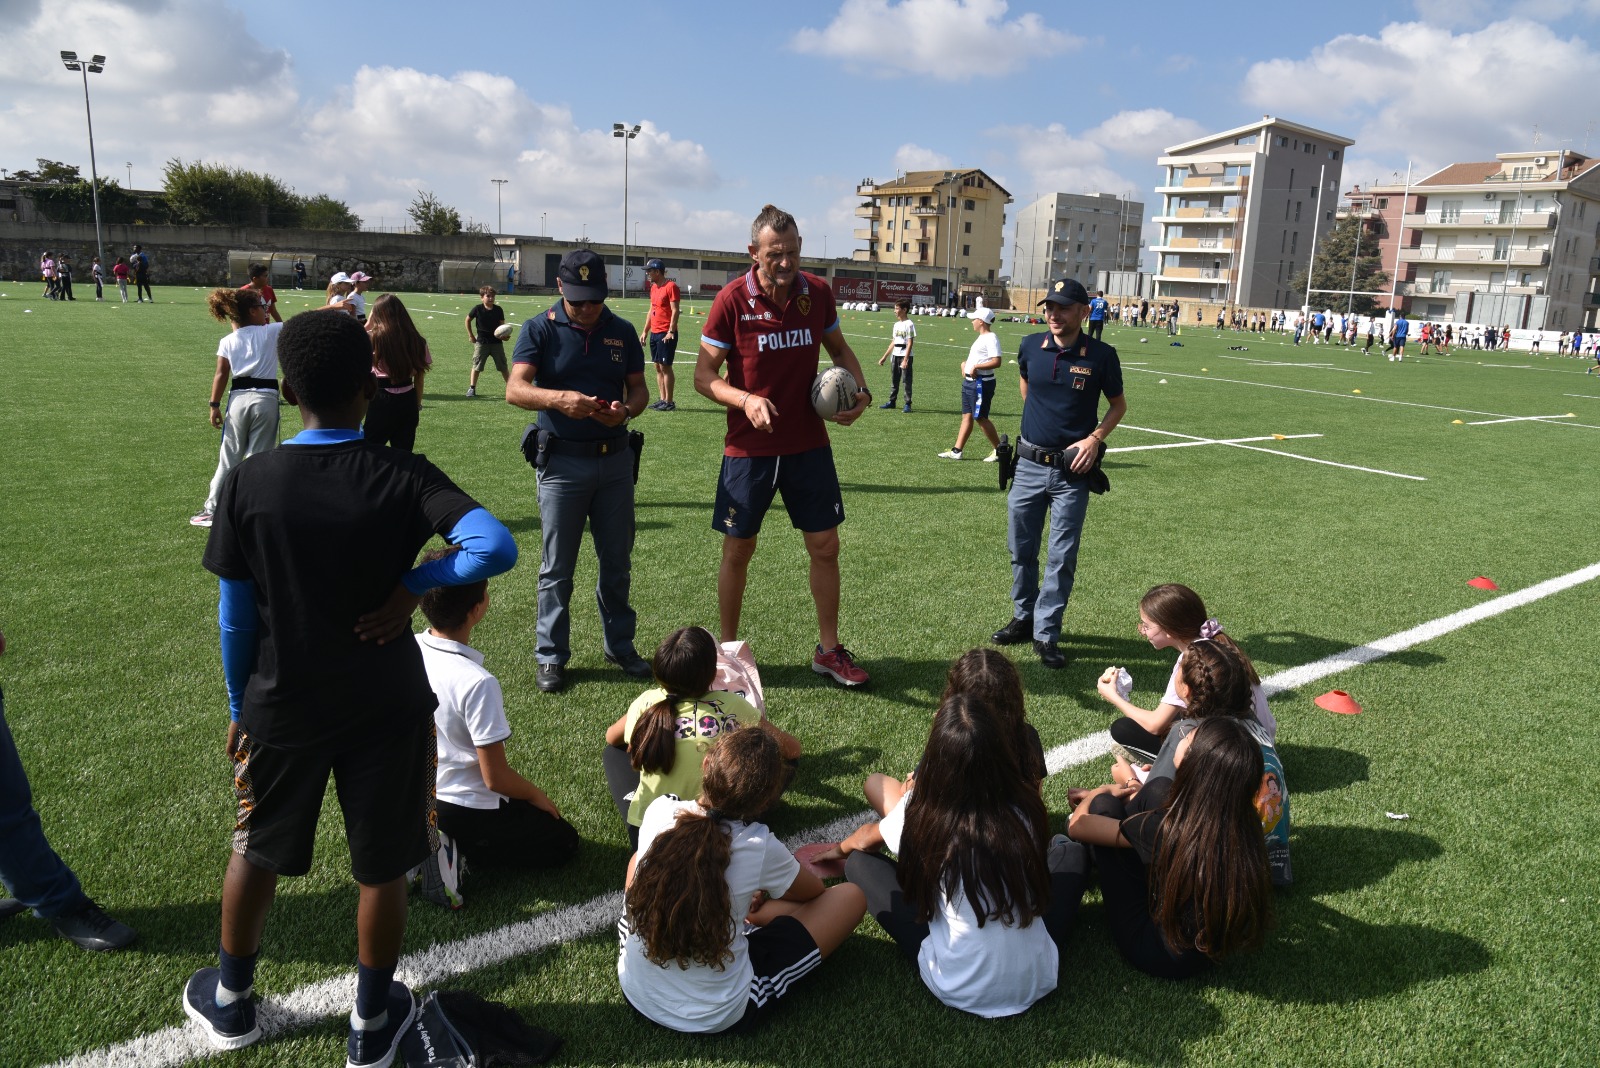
654,745
678,903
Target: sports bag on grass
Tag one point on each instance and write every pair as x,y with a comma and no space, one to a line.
457,1029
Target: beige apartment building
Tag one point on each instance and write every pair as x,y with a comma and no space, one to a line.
1239,211
949,221
1075,234
1511,241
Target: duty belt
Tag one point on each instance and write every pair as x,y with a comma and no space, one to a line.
1047,457
606,447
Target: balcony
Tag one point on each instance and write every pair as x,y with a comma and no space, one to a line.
864,235
1205,213
861,255
933,210
1591,300
1519,257
866,189
1191,272
1210,244
1524,220
869,211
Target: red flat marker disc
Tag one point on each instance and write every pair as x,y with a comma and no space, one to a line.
1339,702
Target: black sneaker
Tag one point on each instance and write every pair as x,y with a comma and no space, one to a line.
887,406
549,678
669,406
376,1048
91,928
656,406
1050,654
1014,633
226,1026
631,663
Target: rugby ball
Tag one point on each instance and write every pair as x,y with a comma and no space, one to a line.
833,391
503,331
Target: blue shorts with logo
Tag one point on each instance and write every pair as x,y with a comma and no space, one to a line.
977,394
808,481
663,351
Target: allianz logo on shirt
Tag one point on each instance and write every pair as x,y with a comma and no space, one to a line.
746,318
784,339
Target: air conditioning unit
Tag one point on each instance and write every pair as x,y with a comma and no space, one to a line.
1490,196
1540,161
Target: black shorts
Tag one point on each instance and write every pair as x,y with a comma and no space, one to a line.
976,396
781,954
663,351
807,480
385,786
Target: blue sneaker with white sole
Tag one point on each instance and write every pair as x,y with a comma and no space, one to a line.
375,1048
226,1026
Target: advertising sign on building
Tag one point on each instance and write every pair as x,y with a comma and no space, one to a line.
886,292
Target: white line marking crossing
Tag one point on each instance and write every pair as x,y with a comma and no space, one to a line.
330,997
1236,444
1293,363
1518,419
1586,396
1192,444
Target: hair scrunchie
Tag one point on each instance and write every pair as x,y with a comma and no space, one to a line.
715,815
1210,629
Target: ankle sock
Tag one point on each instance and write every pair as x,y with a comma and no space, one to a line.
238,977
372,996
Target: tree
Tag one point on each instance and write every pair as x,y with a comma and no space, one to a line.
209,194
49,170
322,212
1334,252
433,216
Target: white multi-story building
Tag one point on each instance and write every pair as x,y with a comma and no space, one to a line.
1075,234
1512,241
1240,210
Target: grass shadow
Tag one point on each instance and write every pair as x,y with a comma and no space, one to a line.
1297,647
1331,860
1315,768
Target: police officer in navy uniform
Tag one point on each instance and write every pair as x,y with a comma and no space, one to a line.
582,369
1064,373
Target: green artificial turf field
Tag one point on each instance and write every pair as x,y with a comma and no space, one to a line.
1459,935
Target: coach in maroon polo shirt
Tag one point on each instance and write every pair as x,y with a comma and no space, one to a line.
768,327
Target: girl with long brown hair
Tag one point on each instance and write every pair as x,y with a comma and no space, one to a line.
656,746
400,359
1171,616
1182,865
704,870
981,898
244,389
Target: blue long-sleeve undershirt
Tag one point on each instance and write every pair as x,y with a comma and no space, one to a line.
236,617
486,549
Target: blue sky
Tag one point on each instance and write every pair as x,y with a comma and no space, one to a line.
748,103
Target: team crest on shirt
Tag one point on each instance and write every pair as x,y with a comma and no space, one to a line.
803,302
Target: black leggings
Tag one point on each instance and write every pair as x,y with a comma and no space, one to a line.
392,420
1125,888
879,878
1128,734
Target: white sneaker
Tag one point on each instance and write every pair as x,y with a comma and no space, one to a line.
950,454
200,519
441,874
472,391
992,458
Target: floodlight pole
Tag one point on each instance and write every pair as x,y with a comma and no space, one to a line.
1400,242
1316,223
621,130
93,65
499,219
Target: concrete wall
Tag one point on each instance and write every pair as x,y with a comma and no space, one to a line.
198,255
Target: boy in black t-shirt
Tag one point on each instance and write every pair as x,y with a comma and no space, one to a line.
313,544
482,321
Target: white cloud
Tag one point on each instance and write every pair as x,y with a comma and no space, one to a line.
910,157
1145,133
1426,93
185,79
1056,161
951,40
1478,12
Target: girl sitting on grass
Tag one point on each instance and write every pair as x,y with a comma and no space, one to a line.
1172,616
656,746
400,359
720,919
1182,865
981,899
990,676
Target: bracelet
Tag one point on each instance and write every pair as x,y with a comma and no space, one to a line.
744,400
216,404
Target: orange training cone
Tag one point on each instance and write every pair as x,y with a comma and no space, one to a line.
1481,583
1339,702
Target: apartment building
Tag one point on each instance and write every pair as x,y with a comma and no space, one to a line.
1240,210
951,221
1076,234
1514,240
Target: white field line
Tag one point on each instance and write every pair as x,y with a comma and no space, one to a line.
1293,363
1518,419
1225,441
1235,444
1585,396
332,997
1341,396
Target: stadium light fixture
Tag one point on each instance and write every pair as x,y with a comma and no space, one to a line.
86,67
621,130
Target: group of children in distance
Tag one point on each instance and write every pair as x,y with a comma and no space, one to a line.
720,919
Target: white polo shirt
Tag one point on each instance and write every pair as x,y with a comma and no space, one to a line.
471,713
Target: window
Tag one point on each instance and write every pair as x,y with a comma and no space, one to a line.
1294,242
1283,141
966,250
968,228
1333,153
922,248
969,205
1284,242
1310,149
1080,229
905,246
1450,211
1291,177
1248,139
1297,211
1383,202
1527,279
1502,247
1286,209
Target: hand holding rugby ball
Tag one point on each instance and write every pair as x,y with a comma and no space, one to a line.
503,331
833,392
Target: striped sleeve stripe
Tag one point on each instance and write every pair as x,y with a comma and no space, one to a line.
714,343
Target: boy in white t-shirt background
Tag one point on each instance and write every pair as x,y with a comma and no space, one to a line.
901,342
977,386
487,810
